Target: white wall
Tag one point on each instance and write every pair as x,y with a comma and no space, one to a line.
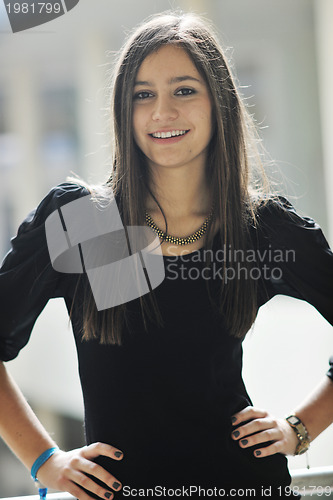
285,356
46,370
324,37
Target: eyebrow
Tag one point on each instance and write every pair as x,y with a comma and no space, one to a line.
175,79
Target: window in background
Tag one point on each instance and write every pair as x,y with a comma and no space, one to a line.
59,133
8,159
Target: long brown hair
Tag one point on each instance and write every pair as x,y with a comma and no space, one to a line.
232,160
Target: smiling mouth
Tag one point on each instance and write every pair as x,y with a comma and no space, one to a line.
169,134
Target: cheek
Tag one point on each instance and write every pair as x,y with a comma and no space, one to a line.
202,115
207,114
140,124
209,121
136,126
205,123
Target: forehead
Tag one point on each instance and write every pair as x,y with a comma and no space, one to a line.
167,60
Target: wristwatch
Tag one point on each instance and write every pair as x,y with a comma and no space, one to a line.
301,433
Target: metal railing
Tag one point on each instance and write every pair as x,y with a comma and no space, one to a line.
50,496
314,482
310,483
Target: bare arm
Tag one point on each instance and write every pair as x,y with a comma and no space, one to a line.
27,438
316,412
19,427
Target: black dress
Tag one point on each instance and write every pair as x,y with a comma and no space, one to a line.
166,396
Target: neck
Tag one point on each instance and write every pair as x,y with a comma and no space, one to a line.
181,191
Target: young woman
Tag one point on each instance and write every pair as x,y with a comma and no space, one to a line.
165,403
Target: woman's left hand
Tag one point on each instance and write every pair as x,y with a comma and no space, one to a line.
258,428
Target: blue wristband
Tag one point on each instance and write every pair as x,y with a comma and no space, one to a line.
41,461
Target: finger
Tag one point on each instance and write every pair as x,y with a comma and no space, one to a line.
96,449
80,494
272,449
89,485
98,472
261,437
252,427
248,413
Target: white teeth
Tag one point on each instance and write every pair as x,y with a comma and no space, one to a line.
167,135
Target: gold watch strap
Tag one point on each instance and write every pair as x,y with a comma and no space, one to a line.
301,433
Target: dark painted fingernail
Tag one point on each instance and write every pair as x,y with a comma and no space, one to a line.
244,442
258,452
235,434
108,494
233,420
118,454
115,485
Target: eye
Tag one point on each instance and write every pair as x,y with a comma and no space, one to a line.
144,94
185,91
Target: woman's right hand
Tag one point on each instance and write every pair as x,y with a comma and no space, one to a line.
66,471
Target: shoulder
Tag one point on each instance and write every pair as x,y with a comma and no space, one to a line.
62,194
280,210
279,213
57,197
278,221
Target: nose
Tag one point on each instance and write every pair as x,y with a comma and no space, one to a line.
164,109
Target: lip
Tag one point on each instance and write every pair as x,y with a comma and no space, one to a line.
169,140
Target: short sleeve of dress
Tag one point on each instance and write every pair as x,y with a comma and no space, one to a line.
298,250
27,279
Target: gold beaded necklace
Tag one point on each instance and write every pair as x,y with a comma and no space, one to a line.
174,239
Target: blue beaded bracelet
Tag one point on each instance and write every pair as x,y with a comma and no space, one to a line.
41,461
42,493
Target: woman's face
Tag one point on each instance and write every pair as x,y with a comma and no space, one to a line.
172,112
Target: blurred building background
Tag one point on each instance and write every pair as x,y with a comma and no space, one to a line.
53,122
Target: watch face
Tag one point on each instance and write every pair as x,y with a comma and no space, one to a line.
293,420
